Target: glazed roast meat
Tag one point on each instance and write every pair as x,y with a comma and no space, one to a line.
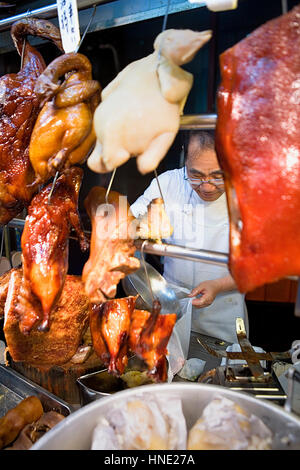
258,146
112,250
65,122
45,252
19,107
69,320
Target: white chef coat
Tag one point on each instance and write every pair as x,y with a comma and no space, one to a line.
202,225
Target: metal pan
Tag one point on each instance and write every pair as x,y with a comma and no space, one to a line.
14,388
75,432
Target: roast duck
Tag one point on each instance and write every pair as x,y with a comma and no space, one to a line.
44,244
258,145
139,113
117,328
19,107
65,122
111,248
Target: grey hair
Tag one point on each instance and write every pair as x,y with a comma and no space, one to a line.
205,140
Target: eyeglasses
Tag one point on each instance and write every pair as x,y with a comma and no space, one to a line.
196,182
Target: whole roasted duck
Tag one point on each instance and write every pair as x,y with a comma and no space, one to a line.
65,123
45,248
19,107
110,327
258,145
112,248
149,336
119,330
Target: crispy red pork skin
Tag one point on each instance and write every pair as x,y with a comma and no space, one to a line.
19,107
110,326
112,249
45,247
258,146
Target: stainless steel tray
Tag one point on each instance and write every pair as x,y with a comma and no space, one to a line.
14,388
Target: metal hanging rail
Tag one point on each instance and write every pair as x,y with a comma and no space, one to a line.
49,11
198,121
177,251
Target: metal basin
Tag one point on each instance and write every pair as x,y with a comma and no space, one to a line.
75,432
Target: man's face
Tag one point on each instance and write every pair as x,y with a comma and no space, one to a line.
204,164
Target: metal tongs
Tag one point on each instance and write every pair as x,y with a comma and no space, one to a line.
247,352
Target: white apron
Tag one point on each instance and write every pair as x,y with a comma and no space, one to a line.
202,225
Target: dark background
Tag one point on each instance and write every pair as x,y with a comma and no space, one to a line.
273,325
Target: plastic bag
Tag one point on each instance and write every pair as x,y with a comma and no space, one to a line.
178,346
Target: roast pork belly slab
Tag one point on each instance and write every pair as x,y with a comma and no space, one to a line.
258,146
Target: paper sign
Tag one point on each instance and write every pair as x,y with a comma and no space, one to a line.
218,5
68,24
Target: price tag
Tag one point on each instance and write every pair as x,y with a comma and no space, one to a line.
218,5
68,24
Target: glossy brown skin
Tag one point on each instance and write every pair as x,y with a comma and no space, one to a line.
110,326
45,244
258,146
64,125
112,251
149,336
19,110
27,411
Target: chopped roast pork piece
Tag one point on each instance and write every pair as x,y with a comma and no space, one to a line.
258,146
68,323
140,110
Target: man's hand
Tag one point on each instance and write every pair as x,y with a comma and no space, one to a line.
210,289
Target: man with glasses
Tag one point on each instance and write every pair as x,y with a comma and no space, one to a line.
195,202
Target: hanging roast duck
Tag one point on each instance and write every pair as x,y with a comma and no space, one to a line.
19,107
65,123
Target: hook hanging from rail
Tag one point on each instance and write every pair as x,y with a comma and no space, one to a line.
77,49
110,185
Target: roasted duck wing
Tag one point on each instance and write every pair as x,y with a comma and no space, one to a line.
68,323
45,246
110,326
19,106
112,249
149,335
258,145
65,123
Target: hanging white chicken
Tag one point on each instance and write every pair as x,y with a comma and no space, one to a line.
139,115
